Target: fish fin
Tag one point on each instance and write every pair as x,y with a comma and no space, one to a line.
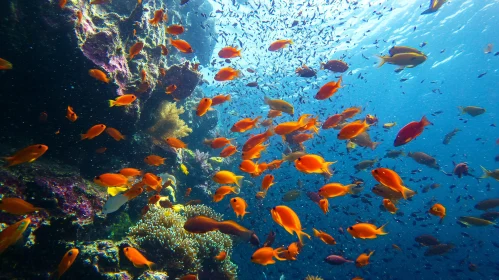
112,191
300,236
486,173
316,232
277,251
350,188
374,145
325,167
239,181
151,265
266,100
380,230
424,121
383,61
112,103
322,65
83,136
228,97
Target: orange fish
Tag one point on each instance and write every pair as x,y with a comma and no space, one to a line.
248,166
101,150
99,75
228,151
332,121
289,127
123,100
17,206
410,132
352,130
62,3
137,258
219,99
143,75
267,182
99,2
5,65
274,113
287,218
154,160
189,277
130,172
363,259
335,189
257,139
389,206
350,112
113,132
221,192
292,251
175,143
267,122
135,49
164,51
93,132
221,256
328,90
254,153
28,154
66,262
159,16
153,199
279,44
326,238
79,16
311,125
181,46
313,164
229,52
170,89
71,115
111,180
152,181
438,210
227,74
245,124
391,179
11,234
366,231
302,137
227,177
265,255
133,192
324,205
203,106
275,164
188,192
239,205
396,247
218,143
175,29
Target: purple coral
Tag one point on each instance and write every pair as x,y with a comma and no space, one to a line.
202,159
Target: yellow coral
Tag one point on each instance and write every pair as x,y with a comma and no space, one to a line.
169,123
310,277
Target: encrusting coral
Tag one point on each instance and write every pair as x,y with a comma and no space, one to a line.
160,232
168,123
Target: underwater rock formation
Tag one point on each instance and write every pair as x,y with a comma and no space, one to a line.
161,234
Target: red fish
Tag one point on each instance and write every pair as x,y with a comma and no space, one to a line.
410,132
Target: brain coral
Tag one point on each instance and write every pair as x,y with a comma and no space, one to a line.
160,232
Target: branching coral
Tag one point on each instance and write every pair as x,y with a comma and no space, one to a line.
168,122
161,233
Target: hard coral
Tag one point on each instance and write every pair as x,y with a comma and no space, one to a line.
161,233
168,122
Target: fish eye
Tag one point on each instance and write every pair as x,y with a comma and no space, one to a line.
273,208
251,257
234,200
40,146
126,249
70,253
350,228
376,171
101,125
97,178
299,159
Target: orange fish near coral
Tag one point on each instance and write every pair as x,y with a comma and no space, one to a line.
245,124
287,218
123,100
154,160
62,3
175,29
5,65
71,115
203,107
227,177
265,255
410,132
137,258
221,192
175,143
221,256
79,16
93,132
152,181
66,262
111,180
352,130
390,179
229,52
279,44
219,99
130,172
363,259
438,210
239,205
227,74
389,206
99,75
326,238
181,46
135,49
17,206
366,231
170,89
13,233
248,166
28,154
228,151
164,51
328,90
113,132
159,16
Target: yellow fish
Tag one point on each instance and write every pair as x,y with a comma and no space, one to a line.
184,169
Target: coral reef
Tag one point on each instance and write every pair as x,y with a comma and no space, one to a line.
168,122
161,233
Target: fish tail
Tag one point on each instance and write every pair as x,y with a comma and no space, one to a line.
424,121
486,173
316,232
112,103
239,181
405,190
381,231
277,251
290,42
83,136
350,188
370,254
270,131
325,167
461,108
227,98
374,145
266,100
383,60
10,161
237,189
301,234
